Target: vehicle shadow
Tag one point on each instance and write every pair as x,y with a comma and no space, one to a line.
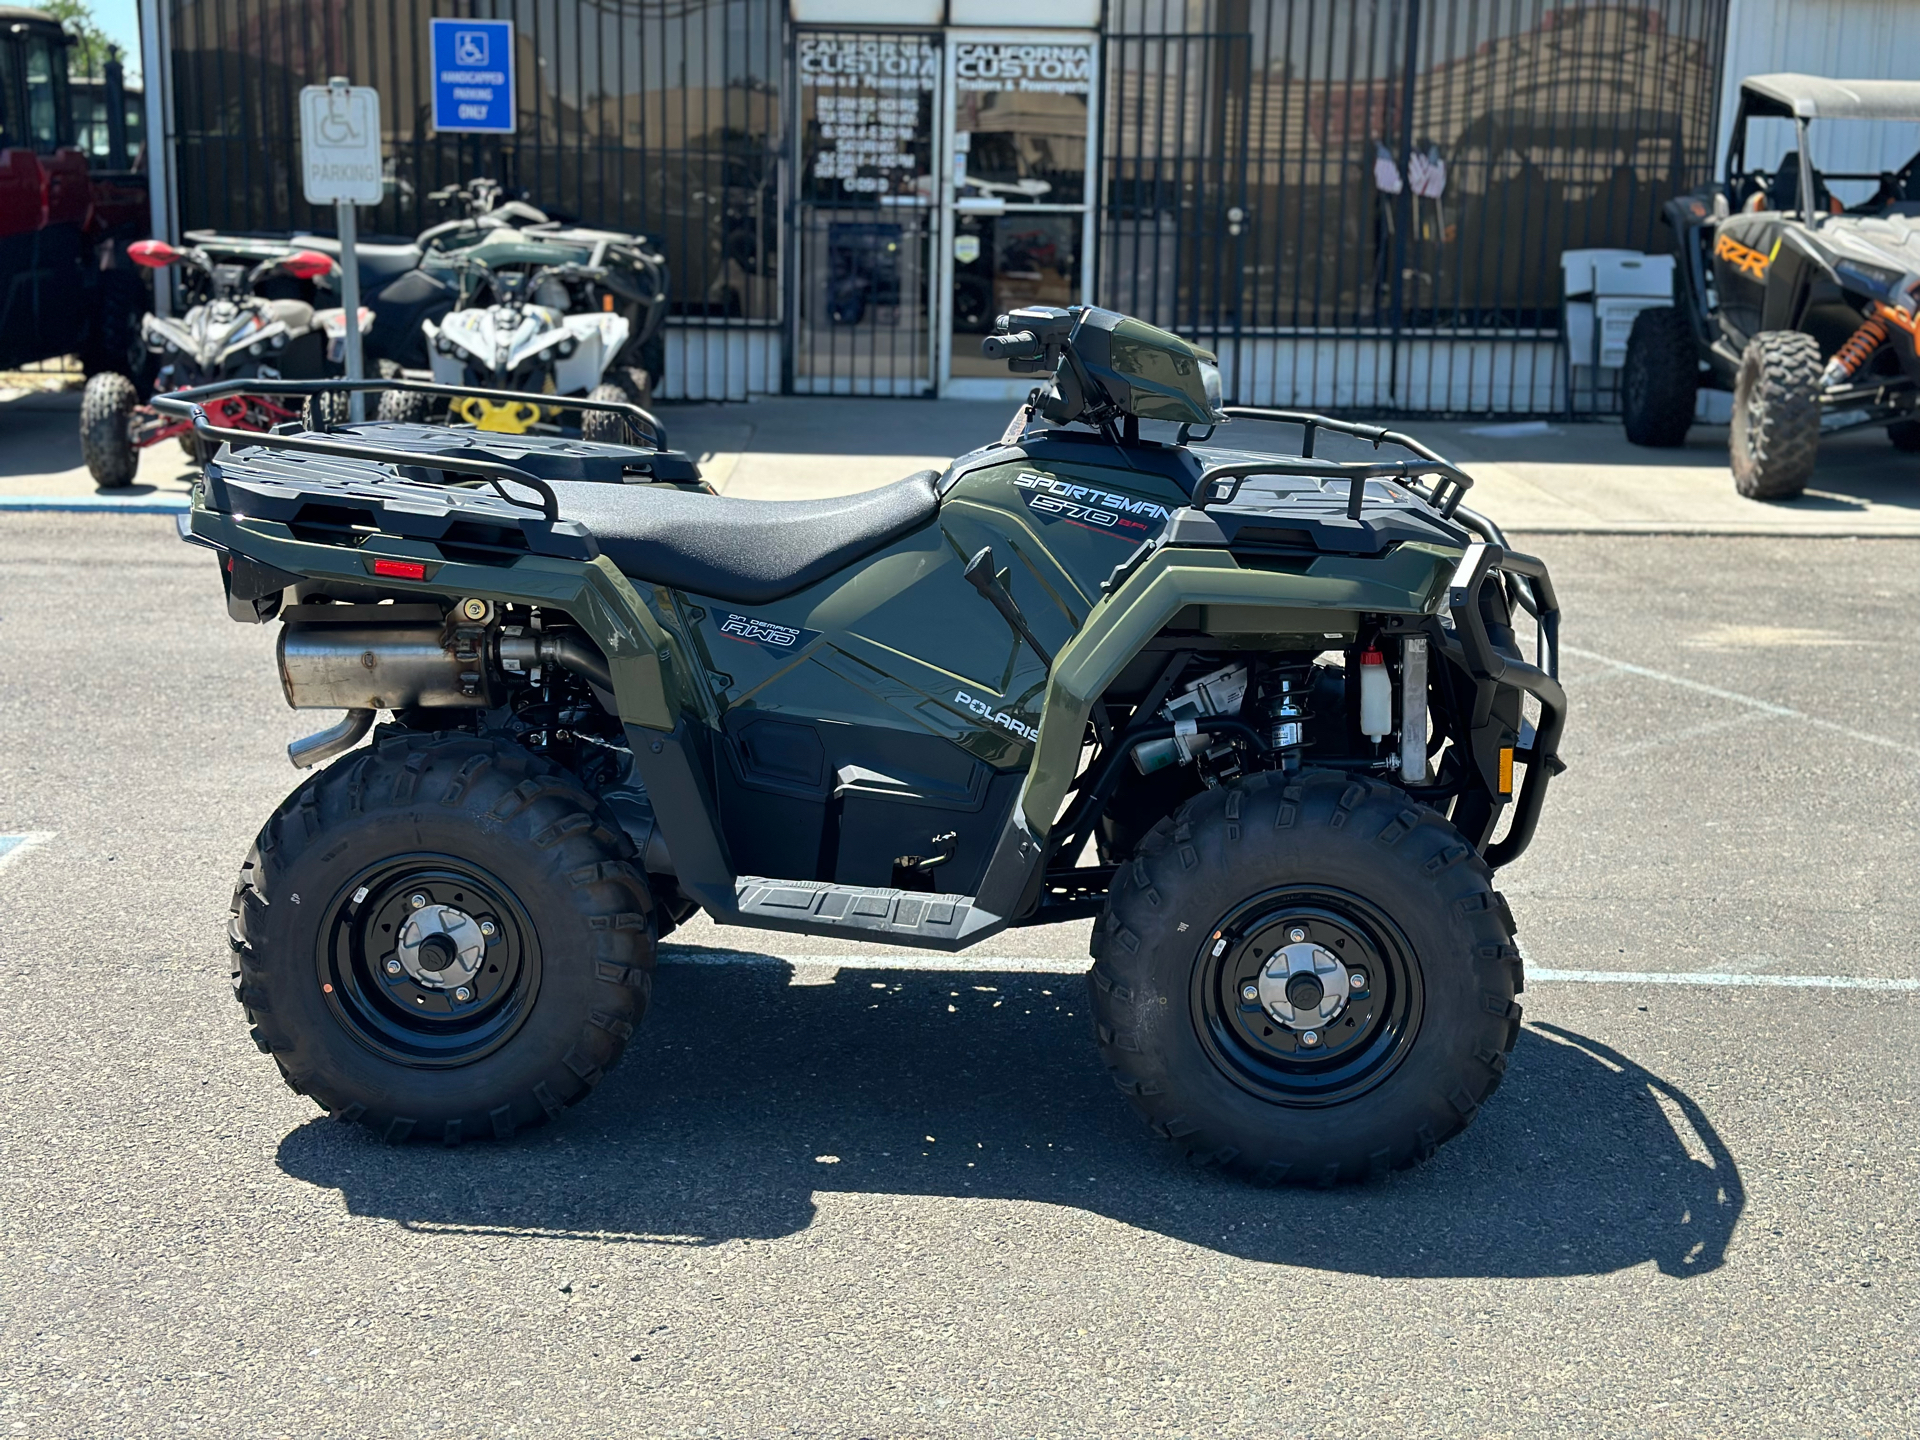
744,1095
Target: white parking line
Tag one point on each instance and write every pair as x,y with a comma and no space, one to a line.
15,845
1783,712
1050,965
1714,977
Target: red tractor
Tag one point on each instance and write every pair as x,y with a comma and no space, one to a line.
66,286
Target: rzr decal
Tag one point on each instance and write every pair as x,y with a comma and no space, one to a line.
1742,257
1126,517
996,717
770,633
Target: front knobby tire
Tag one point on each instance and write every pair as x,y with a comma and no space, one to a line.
1385,888
476,838
1660,383
1775,436
606,427
106,430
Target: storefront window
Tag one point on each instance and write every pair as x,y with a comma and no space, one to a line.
1020,121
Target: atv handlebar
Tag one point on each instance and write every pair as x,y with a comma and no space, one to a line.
183,402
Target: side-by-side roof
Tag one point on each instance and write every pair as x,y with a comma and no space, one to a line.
1816,97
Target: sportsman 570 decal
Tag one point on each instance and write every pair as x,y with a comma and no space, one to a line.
1122,515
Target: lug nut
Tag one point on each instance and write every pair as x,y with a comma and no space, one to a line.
1250,993
418,901
1311,1037
1296,935
489,929
463,994
1358,979
393,967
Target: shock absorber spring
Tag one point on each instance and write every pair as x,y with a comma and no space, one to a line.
1850,357
1288,710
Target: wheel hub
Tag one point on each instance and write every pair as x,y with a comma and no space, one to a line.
440,947
1303,986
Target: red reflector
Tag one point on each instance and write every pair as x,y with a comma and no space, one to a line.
401,569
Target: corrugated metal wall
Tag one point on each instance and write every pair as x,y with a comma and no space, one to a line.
1844,39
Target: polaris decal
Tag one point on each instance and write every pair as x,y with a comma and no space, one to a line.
996,717
1126,517
770,633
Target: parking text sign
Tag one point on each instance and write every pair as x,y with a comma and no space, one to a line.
340,144
473,76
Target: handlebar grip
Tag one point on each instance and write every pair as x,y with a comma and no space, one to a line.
1020,345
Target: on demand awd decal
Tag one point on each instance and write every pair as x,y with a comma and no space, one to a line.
1126,517
770,633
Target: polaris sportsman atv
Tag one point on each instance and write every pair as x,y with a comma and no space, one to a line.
527,325
1805,308
1266,715
249,321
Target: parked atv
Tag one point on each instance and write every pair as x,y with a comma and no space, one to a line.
411,282
237,329
1806,309
531,327
1264,714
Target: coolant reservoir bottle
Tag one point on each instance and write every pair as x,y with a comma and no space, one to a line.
1376,695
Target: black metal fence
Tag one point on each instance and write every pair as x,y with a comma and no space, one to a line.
1364,202
659,116
1358,202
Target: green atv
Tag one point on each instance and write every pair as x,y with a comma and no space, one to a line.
1260,713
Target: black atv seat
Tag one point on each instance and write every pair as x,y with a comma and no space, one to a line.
747,551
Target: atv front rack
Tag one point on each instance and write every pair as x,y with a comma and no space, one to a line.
644,422
1221,484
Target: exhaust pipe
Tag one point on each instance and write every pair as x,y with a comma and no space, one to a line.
319,748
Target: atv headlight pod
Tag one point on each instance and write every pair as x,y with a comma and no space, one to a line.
1210,383
567,347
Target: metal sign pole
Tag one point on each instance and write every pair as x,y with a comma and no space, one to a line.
340,160
350,298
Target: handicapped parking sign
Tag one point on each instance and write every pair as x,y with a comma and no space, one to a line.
473,76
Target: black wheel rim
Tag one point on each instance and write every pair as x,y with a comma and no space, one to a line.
419,1018
1369,1037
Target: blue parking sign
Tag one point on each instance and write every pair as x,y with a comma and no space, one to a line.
473,76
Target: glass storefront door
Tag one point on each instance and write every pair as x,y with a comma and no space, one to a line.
943,180
863,311
1015,191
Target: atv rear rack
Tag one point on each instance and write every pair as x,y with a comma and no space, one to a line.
645,422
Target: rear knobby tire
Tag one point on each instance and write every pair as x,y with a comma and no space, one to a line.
1360,868
607,427
1775,436
106,430
1905,435
478,825
1660,382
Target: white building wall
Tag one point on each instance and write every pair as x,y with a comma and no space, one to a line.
1841,39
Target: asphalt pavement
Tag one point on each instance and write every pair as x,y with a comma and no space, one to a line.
892,1195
